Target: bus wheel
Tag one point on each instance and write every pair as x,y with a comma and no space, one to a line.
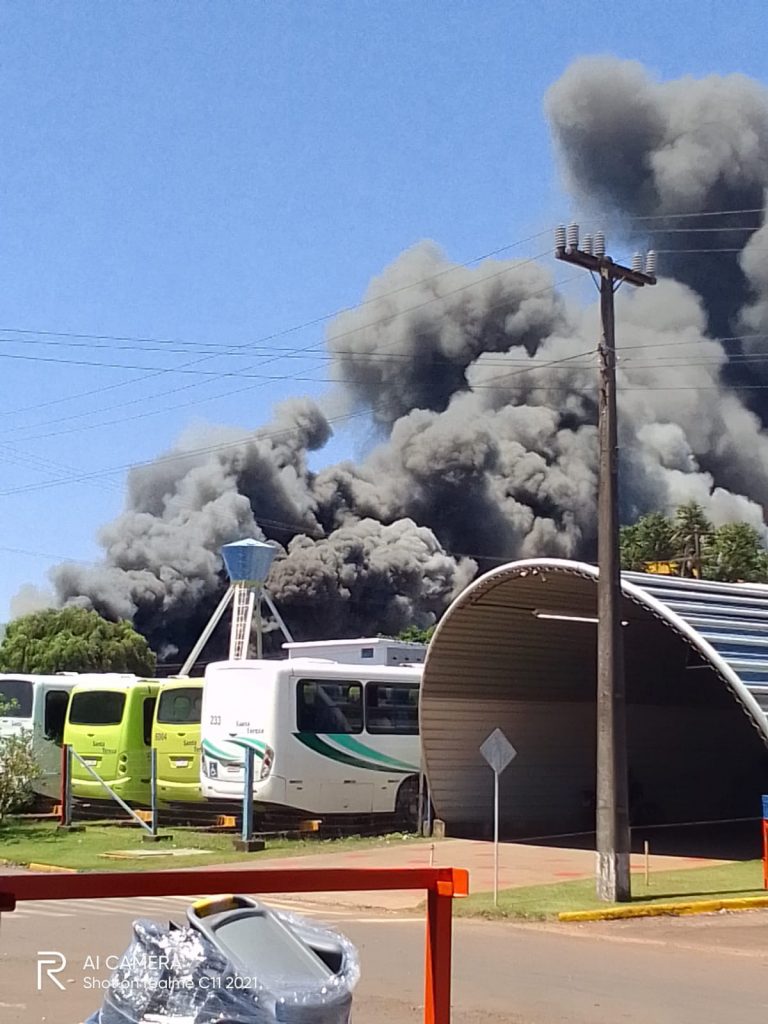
407,804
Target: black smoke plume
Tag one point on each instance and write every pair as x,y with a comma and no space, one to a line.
481,383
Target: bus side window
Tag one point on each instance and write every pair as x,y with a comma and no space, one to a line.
149,714
392,709
56,702
329,706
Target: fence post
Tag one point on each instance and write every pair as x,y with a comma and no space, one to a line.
66,789
248,796
246,843
65,815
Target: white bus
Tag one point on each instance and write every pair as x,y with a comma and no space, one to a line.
37,704
329,738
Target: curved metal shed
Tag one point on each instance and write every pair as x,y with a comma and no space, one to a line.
517,650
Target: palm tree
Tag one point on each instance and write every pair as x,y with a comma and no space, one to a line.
692,531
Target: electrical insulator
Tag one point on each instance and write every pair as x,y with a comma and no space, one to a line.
572,236
598,246
560,236
637,262
586,245
650,263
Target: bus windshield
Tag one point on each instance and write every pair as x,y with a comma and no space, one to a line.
97,707
16,698
180,706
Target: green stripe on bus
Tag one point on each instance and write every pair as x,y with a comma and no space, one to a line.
225,755
360,748
320,746
259,747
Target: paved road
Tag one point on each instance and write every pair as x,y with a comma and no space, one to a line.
692,971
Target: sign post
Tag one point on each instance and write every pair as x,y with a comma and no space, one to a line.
498,752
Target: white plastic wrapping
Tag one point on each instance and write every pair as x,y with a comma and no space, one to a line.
178,976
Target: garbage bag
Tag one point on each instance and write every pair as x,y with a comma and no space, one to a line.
177,975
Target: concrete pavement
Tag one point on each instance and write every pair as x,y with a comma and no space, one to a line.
519,865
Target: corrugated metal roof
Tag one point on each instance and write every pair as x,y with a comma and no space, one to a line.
496,661
731,617
726,622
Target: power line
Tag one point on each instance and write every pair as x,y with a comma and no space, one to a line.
195,384
701,231
708,252
163,372
321,319
157,412
296,327
252,437
239,349
706,213
488,360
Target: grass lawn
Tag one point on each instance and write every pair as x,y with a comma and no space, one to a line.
23,843
726,881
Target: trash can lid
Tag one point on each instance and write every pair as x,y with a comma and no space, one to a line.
257,942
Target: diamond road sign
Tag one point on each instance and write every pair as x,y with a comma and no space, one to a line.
498,751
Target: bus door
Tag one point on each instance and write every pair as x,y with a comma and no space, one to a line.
329,715
50,716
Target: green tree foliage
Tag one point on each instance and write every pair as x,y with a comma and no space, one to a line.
731,553
18,769
414,635
650,539
691,527
734,553
74,640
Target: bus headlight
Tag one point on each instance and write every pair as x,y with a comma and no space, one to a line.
267,762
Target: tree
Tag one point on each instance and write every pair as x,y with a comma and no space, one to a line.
734,553
692,531
18,769
650,539
730,553
415,635
74,640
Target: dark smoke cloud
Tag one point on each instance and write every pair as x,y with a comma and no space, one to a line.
482,385
423,322
663,152
163,569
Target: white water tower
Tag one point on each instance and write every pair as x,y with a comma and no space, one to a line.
247,563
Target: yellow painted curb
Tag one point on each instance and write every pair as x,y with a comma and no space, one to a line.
662,909
52,869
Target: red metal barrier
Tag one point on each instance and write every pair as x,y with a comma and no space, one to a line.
765,854
442,886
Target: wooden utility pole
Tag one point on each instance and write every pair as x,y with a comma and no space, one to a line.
612,815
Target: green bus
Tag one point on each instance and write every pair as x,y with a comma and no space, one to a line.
176,738
109,724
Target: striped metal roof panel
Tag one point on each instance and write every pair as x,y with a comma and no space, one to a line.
731,617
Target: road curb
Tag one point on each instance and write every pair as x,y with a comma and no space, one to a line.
52,869
665,909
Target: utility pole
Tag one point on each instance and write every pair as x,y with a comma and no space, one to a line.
612,817
697,552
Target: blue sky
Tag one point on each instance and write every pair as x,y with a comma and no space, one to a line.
219,172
